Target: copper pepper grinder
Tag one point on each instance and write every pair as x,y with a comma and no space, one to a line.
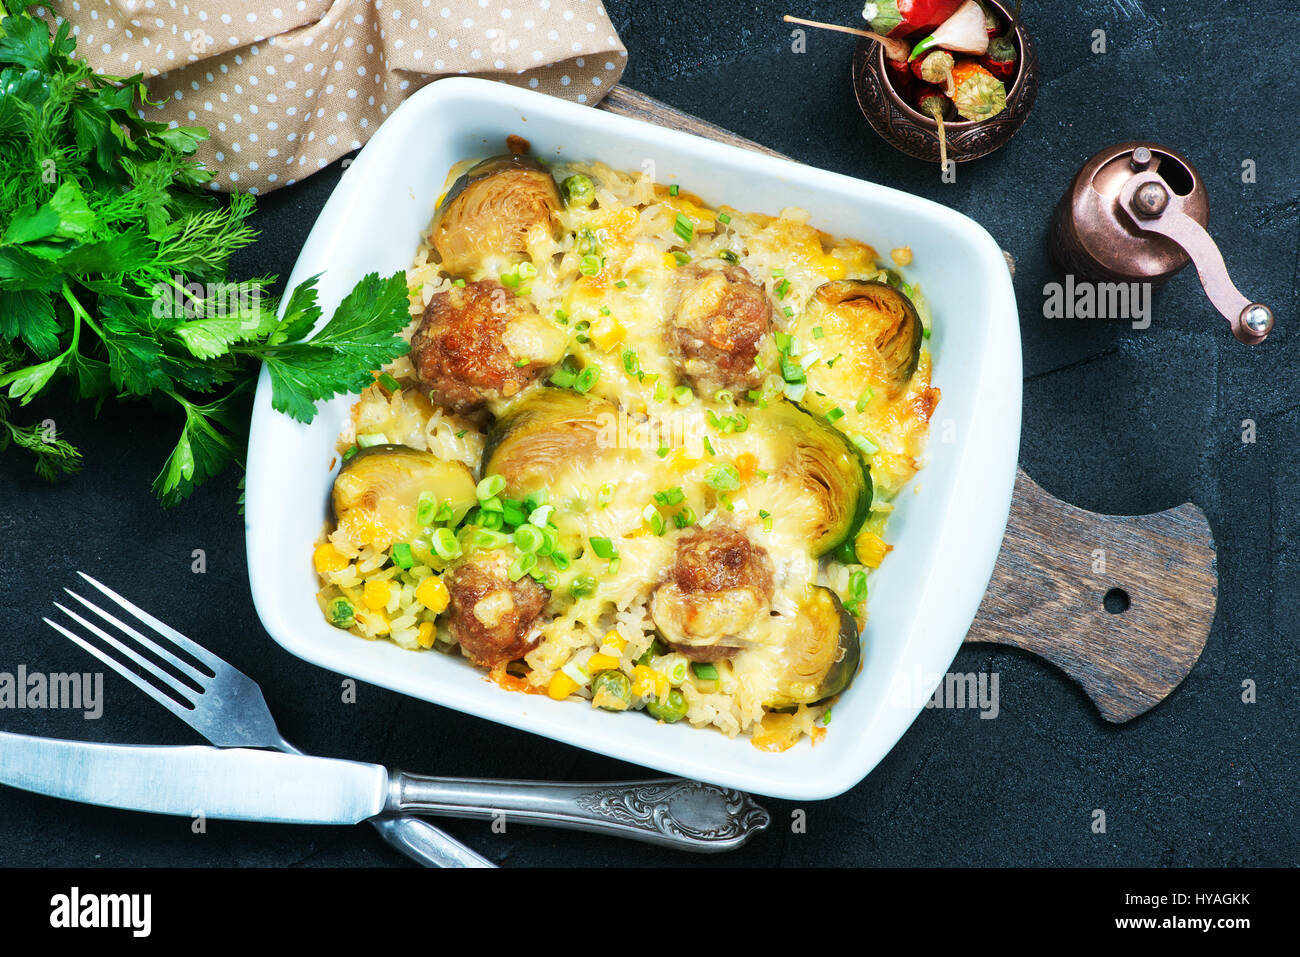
1137,212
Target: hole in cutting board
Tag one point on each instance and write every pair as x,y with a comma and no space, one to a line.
1116,601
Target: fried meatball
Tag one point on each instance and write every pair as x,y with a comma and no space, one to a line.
719,585
717,327
471,342
489,615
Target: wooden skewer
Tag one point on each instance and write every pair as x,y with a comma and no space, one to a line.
899,49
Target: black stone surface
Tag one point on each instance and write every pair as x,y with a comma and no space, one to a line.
1115,420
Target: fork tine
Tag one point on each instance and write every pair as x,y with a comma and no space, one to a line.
183,666
167,631
170,681
167,702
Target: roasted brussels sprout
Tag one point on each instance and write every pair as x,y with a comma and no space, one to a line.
885,329
492,209
822,652
547,430
378,493
718,589
611,690
671,710
827,468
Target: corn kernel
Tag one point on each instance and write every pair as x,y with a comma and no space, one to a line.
647,681
614,640
327,558
433,595
561,686
424,635
832,267
601,663
376,594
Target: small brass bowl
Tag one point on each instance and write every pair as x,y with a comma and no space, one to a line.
916,134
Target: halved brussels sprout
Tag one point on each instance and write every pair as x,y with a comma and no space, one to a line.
545,432
377,494
882,319
826,465
492,209
822,652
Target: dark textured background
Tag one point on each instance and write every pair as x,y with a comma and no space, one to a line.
1114,420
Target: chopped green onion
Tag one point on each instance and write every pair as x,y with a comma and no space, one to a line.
766,516
670,496
560,559
489,486
486,538
590,265
603,548
528,539
621,284
740,422
778,273
835,414
661,392
673,189
684,228
705,670
708,446
426,507
925,332
818,332
581,587
401,555
684,518
865,444
724,218
614,564
631,363
863,399
445,513
369,439
561,317
564,378
586,379
351,451
540,515
521,566
388,382
682,257
662,451
512,512
782,288
683,395
789,311
724,478
729,256
445,544
826,717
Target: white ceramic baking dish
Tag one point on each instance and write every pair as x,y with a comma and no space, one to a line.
946,530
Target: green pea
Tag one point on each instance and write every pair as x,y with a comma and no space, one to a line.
673,708
611,690
578,190
340,613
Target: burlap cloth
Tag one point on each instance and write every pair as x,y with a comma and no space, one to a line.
285,87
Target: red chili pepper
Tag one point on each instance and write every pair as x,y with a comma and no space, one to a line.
1001,58
900,75
905,18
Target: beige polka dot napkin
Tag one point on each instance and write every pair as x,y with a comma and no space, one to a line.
287,86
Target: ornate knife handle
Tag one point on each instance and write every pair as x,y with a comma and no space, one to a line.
672,812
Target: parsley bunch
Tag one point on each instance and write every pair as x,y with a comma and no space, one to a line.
113,272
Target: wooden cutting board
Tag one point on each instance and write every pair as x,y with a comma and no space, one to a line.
1121,604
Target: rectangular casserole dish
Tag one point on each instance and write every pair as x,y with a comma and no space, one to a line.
948,524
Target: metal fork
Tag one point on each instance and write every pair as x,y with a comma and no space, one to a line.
228,709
